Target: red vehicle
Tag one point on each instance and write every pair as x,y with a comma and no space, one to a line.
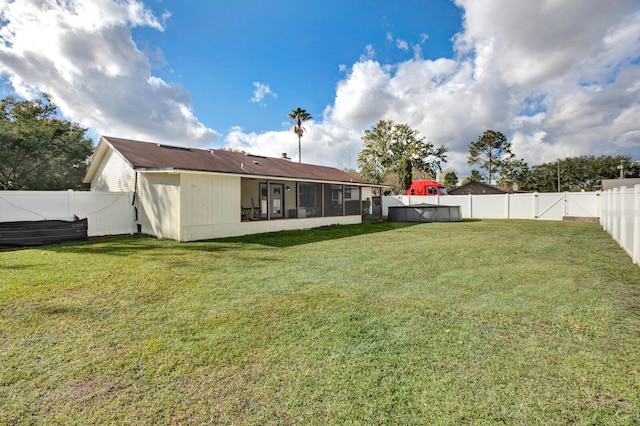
426,187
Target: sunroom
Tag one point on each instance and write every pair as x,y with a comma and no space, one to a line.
272,199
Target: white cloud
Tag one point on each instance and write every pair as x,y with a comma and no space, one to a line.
261,91
361,97
559,78
320,142
83,55
534,71
369,53
417,51
402,44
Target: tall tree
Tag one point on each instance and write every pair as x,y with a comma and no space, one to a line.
392,149
514,174
450,178
489,152
39,151
298,117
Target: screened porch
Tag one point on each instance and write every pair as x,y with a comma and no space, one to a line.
277,199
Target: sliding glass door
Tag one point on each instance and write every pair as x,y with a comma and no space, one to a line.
272,206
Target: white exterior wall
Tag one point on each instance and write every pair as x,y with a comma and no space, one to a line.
211,208
114,174
159,204
367,192
209,204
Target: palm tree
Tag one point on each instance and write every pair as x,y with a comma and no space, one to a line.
299,116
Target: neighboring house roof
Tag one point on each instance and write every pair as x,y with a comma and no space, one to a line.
617,183
149,156
477,188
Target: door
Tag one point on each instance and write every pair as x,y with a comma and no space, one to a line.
277,200
272,206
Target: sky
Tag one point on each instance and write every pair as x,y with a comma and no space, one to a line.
560,78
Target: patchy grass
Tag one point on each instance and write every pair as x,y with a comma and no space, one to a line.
479,322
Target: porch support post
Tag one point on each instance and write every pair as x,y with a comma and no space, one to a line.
297,200
268,199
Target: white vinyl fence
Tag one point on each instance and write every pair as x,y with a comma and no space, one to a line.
618,209
620,217
112,213
107,213
540,206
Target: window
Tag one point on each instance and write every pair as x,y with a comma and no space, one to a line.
310,196
333,200
352,200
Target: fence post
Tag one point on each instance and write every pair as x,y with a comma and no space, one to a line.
535,204
604,210
599,211
636,225
470,206
69,202
615,228
507,206
623,222
610,211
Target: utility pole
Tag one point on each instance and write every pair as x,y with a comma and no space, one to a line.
621,168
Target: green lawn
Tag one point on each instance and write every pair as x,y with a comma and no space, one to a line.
478,322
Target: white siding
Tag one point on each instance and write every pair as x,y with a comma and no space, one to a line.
209,199
211,208
209,205
114,174
159,204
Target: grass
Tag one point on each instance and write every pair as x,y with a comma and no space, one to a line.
479,322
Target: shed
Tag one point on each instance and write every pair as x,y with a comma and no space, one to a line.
189,194
617,183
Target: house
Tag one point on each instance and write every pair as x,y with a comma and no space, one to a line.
189,194
476,188
617,183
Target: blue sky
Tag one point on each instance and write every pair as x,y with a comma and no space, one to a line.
226,73
218,50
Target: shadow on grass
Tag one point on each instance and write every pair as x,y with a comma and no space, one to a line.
136,244
115,245
306,236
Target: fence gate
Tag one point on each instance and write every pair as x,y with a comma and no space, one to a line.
549,206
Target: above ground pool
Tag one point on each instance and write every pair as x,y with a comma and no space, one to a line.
424,213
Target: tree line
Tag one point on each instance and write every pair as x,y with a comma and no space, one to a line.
40,151
394,154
